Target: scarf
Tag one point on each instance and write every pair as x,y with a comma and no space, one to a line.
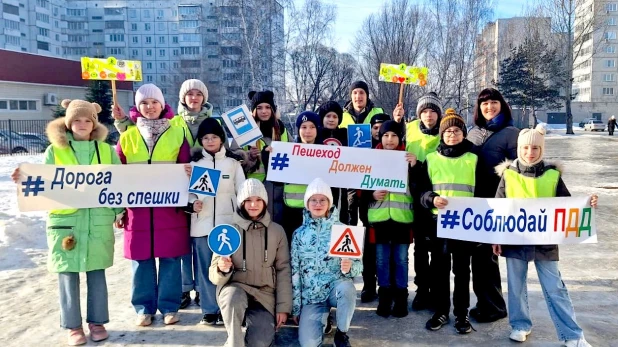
454,151
151,130
498,123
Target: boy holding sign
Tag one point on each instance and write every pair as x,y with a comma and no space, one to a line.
529,176
320,282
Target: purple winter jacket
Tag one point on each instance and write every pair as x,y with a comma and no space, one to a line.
159,230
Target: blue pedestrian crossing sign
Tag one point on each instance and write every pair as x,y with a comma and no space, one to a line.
359,135
224,240
204,181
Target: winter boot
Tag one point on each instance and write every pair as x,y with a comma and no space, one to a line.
342,339
400,308
422,300
368,294
385,301
185,300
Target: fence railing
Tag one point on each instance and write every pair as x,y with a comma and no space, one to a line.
20,137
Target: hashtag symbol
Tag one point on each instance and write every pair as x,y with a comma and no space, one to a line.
450,220
280,162
33,186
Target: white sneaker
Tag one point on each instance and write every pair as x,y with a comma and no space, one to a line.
577,343
143,320
519,335
170,318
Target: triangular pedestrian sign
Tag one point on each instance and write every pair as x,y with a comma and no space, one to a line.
346,245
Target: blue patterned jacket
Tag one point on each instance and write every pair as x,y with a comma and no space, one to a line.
313,272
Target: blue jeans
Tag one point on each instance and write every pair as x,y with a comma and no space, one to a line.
399,255
70,308
152,290
313,316
207,290
186,265
556,296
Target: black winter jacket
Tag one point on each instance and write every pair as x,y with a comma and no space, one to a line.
531,252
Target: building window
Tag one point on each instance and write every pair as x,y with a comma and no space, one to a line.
230,63
56,24
146,13
610,63
163,78
44,32
149,52
148,39
190,38
161,26
609,77
147,26
114,24
188,10
174,27
114,11
116,37
189,50
611,21
97,18
608,91
57,37
116,51
44,46
11,24
190,64
175,52
231,50
132,13
162,53
186,24
75,12
176,65
133,27
212,43
12,40
211,30
174,39
56,11
163,65
18,105
134,53
42,17
174,13
149,65
213,56
97,30
611,7
10,9
230,23
77,25
148,78
609,35
610,49
233,102
43,3
76,38
161,39
160,14
97,43
135,39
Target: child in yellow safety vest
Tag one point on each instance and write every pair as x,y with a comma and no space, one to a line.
529,176
390,219
449,172
80,240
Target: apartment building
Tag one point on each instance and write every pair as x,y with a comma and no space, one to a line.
233,46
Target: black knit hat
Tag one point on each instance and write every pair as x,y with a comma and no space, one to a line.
308,116
452,119
210,126
391,125
431,101
330,106
360,84
379,118
264,97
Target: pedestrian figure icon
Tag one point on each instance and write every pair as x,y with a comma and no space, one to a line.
359,135
224,240
345,247
204,181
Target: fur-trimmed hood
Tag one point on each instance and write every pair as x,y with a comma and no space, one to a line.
544,165
167,113
58,134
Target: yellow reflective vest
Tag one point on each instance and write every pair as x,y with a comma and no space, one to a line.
260,173
520,186
65,156
454,177
294,195
165,150
418,143
395,206
348,120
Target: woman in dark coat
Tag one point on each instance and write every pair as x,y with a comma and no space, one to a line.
611,125
495,140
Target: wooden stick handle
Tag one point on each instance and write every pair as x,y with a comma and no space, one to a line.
401,93
114,92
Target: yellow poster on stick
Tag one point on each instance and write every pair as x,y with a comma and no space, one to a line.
111,69
403,74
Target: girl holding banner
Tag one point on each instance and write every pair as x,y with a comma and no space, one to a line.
77,139
529,176
159,232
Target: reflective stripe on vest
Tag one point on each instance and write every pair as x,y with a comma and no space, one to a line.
452,176
395,206
260,173
349,120
66,156
520,186
294,195
165,150
418,143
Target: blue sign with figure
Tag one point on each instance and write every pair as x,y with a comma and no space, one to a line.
243,127
359,135
204,181
224,240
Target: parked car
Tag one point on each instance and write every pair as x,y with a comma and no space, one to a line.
585,121
13,143
594,125
36,138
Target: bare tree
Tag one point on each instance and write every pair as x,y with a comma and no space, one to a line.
580,26
399,33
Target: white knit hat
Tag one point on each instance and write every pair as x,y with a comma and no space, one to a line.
149,91
318,186
192,84
534,137
251,187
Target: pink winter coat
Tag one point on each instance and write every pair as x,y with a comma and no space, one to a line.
156,231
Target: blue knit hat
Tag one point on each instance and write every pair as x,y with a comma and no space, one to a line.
308,116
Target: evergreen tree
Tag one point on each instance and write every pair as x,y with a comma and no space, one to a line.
100,92
58,111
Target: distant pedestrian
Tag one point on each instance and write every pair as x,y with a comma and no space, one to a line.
611,125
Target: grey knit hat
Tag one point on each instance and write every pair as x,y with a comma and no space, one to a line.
430,100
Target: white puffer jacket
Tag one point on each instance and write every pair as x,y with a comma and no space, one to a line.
221,208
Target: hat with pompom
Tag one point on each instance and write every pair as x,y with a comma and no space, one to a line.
532,137
80,108
452,119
